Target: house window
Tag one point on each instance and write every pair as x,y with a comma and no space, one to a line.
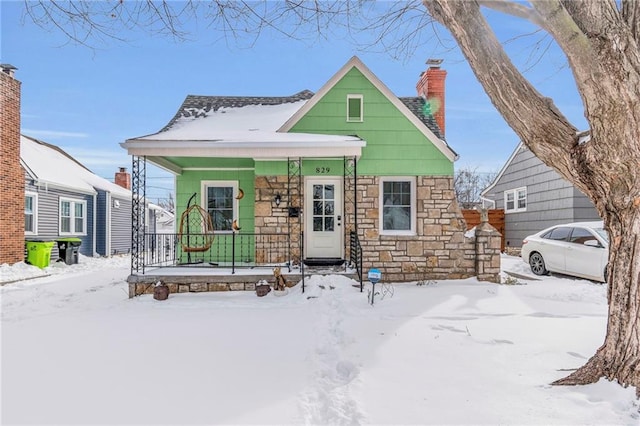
515,200
354,108
220,203
398,206
30,209
73,217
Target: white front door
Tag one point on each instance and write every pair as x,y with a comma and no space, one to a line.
323,218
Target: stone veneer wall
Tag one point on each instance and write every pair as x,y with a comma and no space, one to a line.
270,219
439,250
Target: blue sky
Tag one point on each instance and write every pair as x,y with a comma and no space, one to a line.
87,101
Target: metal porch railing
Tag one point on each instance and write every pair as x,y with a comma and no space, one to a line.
355,255
229,250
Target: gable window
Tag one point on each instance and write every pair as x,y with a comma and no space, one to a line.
398,206
515,200
354,108
73,217
30,208
220,203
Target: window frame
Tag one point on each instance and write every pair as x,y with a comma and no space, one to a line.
72,218
516,192
350,118
234,184
413,206
34,214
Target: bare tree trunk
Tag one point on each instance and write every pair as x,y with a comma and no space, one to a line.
619,356
604,58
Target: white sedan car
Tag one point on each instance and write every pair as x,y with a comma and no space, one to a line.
580,249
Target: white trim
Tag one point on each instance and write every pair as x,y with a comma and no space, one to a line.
348,146
516,194
502,170
361,118
34,195
360,66
161,163
40,183
204,184
72,218
412,181
219,169
307,211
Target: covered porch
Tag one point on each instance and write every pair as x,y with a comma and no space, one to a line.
237,260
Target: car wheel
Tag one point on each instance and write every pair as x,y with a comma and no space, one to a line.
536,262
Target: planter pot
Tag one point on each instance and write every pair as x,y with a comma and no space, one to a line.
262,289
161,292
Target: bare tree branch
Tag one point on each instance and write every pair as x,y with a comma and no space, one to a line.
515,9
631,15
551,136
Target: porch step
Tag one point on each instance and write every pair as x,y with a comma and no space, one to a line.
323,261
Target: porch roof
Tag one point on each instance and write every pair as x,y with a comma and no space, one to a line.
238,127
247,144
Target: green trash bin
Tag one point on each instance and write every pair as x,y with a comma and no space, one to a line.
39,252
68,249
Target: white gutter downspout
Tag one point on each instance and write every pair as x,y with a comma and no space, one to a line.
107,227
95,222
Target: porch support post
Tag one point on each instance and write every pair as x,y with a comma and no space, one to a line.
138,200
350,198
294,200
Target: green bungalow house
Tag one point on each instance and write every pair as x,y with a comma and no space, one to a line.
351,175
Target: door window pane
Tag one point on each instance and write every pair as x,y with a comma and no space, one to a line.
323,208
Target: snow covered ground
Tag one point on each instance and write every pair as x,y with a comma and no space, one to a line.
77,351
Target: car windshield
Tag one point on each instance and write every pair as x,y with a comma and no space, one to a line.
602,233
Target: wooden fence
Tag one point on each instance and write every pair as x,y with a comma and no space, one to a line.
496,219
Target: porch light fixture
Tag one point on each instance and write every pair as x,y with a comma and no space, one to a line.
278,199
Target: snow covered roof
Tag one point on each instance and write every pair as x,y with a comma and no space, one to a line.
258,127
50,165
240,127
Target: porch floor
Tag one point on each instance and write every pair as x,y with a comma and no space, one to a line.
203,277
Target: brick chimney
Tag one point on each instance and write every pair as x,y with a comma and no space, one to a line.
12,175
431,87
123,178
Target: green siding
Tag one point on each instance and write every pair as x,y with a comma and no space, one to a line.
206,162
271,168
394,145
190,182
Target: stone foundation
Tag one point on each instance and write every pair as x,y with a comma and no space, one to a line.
144,284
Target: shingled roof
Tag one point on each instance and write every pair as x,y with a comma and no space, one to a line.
198,106
195,106
416,106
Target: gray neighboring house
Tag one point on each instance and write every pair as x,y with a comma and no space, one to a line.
534,197
65,199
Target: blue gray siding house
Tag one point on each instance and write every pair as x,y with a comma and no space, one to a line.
65,199
534,196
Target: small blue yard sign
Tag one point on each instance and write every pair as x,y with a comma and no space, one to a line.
374,275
